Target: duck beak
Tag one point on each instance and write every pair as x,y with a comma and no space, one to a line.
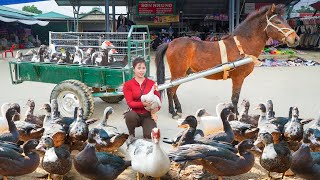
255,148
156,140
257,141
40,147
183,125
314,141
257,108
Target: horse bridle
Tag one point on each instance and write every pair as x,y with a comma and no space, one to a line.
269,23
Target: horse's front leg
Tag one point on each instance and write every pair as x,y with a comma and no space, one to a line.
170,103
236,89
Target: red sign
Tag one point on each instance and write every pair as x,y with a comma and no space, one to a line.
154,7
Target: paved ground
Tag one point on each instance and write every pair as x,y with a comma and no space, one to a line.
286,86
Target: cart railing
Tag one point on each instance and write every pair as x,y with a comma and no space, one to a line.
134,43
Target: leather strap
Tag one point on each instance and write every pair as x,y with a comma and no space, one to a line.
238,45
224,59
241,51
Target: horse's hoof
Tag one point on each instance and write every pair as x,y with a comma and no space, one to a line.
175,116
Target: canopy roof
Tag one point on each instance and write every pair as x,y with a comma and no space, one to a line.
90,2
52,16
316,5
13,15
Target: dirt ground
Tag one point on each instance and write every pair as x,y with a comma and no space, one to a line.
287,86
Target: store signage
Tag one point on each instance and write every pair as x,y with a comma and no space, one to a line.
249,7
166,19
163,7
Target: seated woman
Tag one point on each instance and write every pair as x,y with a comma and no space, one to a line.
133,90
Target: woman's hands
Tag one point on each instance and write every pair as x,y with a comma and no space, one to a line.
155,87
146,104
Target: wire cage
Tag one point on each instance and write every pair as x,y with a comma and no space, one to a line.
134,43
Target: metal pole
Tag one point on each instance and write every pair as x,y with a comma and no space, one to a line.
78,18
114,16
74,18
106,5
238,12
232,15
205,73
191,77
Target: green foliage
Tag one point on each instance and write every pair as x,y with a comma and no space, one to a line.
304,9
32,9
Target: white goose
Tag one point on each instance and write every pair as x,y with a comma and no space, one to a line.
208,123
154,100
78,56
3,120
148,157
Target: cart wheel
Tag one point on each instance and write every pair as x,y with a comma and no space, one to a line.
71,94
112,99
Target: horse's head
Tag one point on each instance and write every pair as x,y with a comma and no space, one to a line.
277,28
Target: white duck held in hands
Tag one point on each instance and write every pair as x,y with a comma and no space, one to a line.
4,126
154,100
148,157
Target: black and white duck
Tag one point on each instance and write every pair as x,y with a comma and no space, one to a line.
110,137
306,164
279,121
246,117
30,117
217,160
98,165
56,160
227,134
13,163
79,128
52,128
188,135
87,56
13,134
78,55
243,130
265,126
275,157
155,162
293,130
312,135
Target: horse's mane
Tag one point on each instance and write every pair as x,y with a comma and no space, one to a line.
261,12
278,10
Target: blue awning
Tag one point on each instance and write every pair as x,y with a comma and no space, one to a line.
8,2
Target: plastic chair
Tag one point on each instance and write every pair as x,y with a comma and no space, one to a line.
10,50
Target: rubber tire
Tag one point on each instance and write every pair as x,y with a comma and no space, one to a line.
112,99
81,90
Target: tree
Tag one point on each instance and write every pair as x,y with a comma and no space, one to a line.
32,9
304,9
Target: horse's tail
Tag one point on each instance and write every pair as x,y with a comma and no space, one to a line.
161,50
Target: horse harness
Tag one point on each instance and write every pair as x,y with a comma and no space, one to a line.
223,50
269,23
224,56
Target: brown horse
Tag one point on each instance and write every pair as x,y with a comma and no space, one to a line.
185,55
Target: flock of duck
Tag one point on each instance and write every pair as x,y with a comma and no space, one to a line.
225,145
102,57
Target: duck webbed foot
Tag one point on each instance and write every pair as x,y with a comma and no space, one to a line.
138,176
